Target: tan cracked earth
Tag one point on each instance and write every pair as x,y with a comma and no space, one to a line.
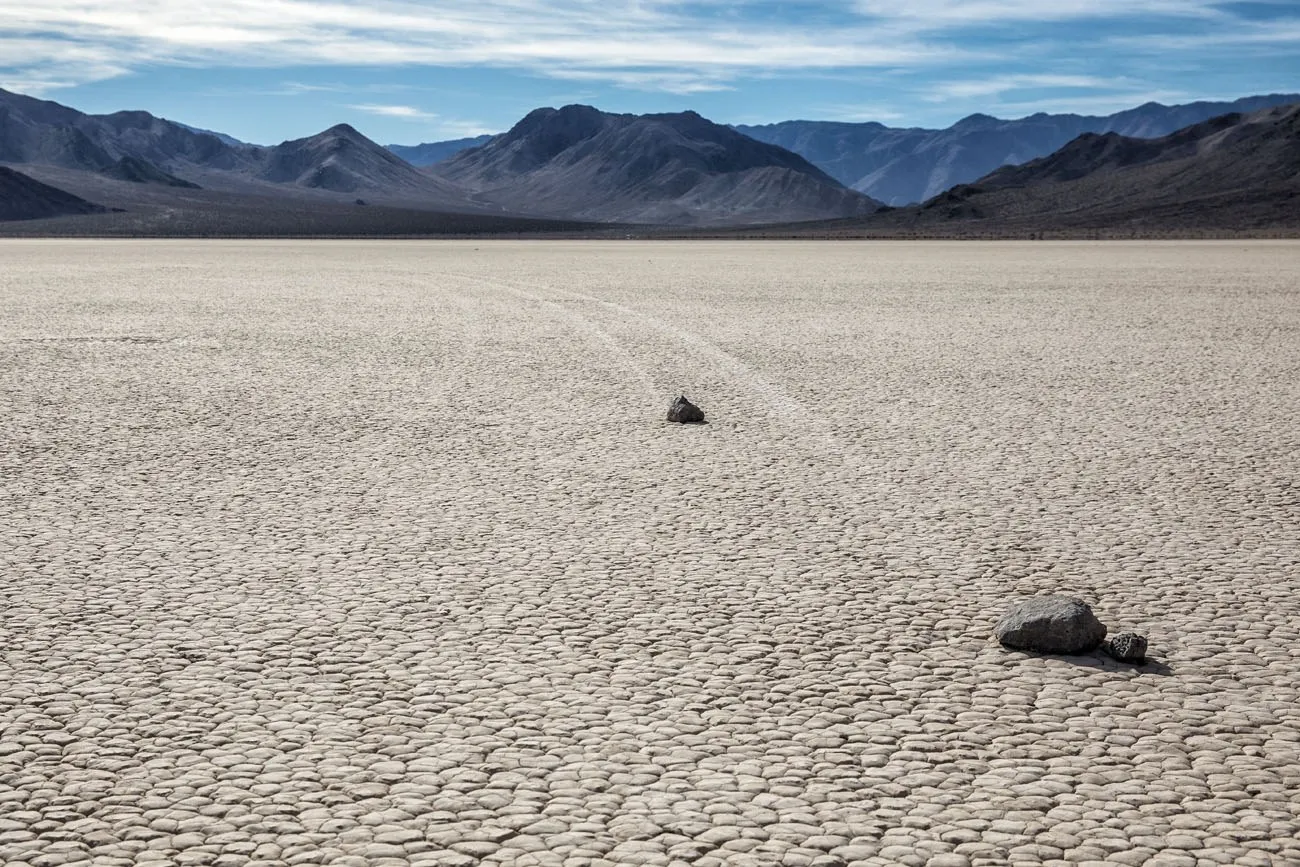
382,554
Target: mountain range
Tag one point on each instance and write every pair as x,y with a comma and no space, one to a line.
577,169
575,163
901,166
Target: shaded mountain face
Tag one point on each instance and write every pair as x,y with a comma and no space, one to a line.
137,171
429,153
902,166
680,169
23,198
1235,171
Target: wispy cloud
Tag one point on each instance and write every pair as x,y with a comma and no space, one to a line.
663,44
1281,34
402,112
857,112
451,129
433,123
39,64
947,14
978,49
665,81
999,84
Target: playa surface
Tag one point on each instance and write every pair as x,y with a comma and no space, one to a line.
382,553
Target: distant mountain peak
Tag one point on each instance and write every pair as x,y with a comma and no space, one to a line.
340,133
676,168
342,160
576,119
977,119
688,114
344,130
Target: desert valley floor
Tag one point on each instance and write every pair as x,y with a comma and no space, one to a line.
381,553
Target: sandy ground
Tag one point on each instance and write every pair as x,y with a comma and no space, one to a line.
382,554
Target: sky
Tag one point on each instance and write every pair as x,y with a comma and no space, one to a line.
409,71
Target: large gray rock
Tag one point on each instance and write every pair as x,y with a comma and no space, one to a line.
1051,624
682,410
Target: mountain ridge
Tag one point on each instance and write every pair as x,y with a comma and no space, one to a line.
900,166
140,148
429,153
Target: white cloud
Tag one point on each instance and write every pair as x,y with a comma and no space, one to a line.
999,84
438,126
452,129
1282,34
666,81
402,112
857,112
37,65
946,14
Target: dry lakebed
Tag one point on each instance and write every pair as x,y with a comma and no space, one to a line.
383,553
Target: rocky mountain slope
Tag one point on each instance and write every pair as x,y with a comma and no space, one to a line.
902,166
137,171
581,163
227,139
46,133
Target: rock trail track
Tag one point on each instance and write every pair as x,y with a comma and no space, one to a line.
381,553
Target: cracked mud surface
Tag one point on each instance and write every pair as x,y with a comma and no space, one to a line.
383,554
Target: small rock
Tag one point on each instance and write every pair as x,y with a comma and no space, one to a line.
682,410
1127,647
1051,624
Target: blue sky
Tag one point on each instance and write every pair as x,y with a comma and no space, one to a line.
406,71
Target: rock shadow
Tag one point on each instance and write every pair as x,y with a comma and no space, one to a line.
1099,660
